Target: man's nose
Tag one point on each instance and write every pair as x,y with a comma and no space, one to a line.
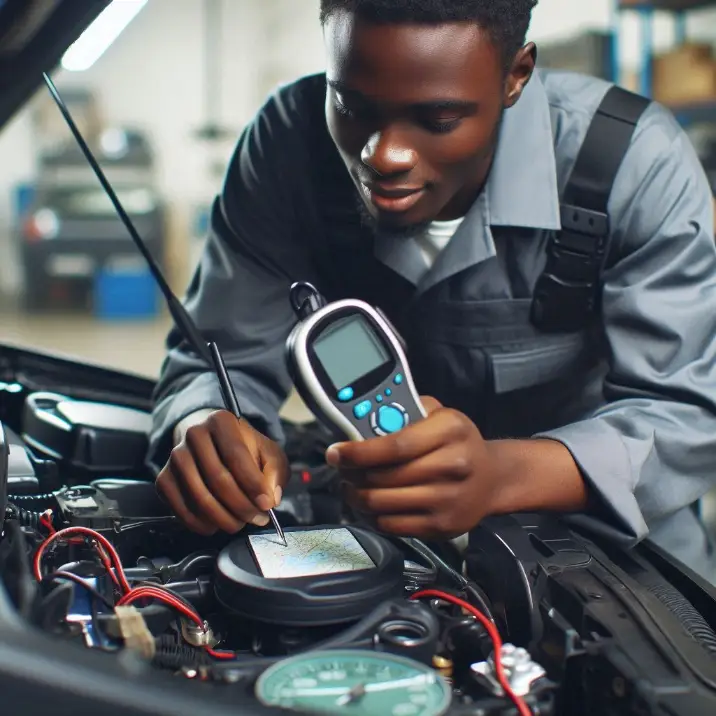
387,154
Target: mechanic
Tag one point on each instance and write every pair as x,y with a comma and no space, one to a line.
423,173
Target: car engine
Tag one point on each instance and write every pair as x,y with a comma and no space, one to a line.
530,617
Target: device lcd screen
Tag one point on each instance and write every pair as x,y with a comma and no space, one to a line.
309,553
348,350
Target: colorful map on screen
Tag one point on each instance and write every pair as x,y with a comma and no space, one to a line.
309,553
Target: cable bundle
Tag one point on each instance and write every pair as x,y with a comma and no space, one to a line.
109,557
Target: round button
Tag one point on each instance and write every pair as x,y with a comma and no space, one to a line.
390,419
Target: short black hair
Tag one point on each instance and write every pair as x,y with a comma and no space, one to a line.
507,21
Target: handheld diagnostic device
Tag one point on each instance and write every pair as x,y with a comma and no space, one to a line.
349,366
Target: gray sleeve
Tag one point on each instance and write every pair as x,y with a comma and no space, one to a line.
239,295
651,449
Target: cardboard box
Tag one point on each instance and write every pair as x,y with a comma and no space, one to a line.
686,74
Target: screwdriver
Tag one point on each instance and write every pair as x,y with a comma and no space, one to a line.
232,405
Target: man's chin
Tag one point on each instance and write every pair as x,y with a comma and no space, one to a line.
393,225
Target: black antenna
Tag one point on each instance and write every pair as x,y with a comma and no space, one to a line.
179,314
208,351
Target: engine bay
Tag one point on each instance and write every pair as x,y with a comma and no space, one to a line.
532,617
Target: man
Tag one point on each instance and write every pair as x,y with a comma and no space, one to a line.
423,174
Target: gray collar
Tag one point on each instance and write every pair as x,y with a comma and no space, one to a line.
521,191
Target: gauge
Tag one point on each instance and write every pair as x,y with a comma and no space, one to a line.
359,683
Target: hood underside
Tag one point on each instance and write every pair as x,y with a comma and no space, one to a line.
34,34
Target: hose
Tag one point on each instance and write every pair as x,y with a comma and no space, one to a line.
171,654
192,566
35,502
24,517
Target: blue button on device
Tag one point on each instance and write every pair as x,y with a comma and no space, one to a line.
345,395
388,391
379,398
398,379
362,409
390,419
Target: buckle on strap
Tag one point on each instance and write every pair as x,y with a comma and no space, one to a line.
566,292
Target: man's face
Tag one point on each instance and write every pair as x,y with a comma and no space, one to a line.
414,111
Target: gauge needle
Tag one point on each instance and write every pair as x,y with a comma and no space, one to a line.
357,692
369,688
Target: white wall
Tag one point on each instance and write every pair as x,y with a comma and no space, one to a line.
151,78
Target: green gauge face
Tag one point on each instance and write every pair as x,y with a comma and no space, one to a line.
356,683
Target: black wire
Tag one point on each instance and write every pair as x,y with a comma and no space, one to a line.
476,594
460,580
25,587
61,574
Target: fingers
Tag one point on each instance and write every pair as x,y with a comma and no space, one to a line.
446,465
423,527
168,487
223,475
441,427
239,452
276,470
195,492
219,479
392,501
430,404
415,511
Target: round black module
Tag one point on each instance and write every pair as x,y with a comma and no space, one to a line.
344,572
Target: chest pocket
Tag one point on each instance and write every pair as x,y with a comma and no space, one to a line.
487,360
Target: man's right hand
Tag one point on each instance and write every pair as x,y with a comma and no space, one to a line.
222,474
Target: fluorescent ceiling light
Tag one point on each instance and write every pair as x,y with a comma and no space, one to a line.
93,42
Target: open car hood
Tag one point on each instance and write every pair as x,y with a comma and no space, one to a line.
34,35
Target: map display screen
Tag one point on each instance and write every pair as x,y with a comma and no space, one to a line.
309,553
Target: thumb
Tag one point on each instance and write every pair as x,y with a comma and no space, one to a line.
276,471
430,404
270,460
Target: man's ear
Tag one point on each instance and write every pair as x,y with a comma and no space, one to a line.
519,74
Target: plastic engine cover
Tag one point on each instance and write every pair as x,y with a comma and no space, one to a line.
95,437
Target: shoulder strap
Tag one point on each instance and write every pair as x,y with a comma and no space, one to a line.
567,292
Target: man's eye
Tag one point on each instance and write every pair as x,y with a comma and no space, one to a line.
359,113
342,109
442,126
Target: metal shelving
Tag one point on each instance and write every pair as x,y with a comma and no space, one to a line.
670,5
645,9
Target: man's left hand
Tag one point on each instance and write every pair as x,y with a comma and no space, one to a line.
436,478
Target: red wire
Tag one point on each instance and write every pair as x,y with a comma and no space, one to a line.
159,594
110,558
220,654
522,707
107,564
120,577
162,596
46,521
